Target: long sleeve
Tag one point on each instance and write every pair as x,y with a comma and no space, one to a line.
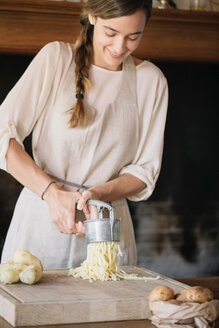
152,100
24,104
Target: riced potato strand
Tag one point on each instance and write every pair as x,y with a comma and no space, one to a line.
102,264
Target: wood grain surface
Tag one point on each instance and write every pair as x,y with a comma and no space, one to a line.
209,282
61,299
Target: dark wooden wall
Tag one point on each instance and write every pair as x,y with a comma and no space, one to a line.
177,35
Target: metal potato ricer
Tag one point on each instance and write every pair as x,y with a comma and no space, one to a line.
102,229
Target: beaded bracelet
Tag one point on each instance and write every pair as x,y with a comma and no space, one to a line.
53,181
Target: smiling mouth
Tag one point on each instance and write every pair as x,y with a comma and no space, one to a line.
115,55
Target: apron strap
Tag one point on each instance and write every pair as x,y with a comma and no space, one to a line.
68,183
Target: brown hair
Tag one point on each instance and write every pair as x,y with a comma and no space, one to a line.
105,9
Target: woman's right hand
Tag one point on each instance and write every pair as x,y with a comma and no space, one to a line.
62,208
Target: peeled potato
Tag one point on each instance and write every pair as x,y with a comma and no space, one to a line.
25,257
19,266
9,275
4,266
31,275
11,265
8,262
25,267
161,293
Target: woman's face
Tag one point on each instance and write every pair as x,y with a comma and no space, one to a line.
116,38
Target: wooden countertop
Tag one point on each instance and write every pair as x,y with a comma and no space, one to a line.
209,282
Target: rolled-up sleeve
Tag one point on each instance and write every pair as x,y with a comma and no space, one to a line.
25,102
7,131
147,162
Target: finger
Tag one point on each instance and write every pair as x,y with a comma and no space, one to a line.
83,201
86,209
93,212
76,197
58,224
70,224
87,195
83,206
80,204
80,229
70,219
63,224
63,228
87,216
80,233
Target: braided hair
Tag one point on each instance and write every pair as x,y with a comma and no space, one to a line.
105,9
83,59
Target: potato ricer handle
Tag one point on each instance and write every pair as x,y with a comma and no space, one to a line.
100,204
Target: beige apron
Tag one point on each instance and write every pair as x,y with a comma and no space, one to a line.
31,227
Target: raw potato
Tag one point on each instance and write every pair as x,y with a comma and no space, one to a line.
181,296
173,301
161,293
25,257
199,294
31,275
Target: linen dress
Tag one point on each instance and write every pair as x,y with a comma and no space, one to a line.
126,111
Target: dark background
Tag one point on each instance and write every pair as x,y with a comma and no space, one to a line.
177,228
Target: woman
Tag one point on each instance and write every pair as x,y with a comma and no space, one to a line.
100,137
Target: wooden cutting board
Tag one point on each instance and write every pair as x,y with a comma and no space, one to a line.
61,299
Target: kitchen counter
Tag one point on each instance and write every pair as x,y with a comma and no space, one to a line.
209,282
